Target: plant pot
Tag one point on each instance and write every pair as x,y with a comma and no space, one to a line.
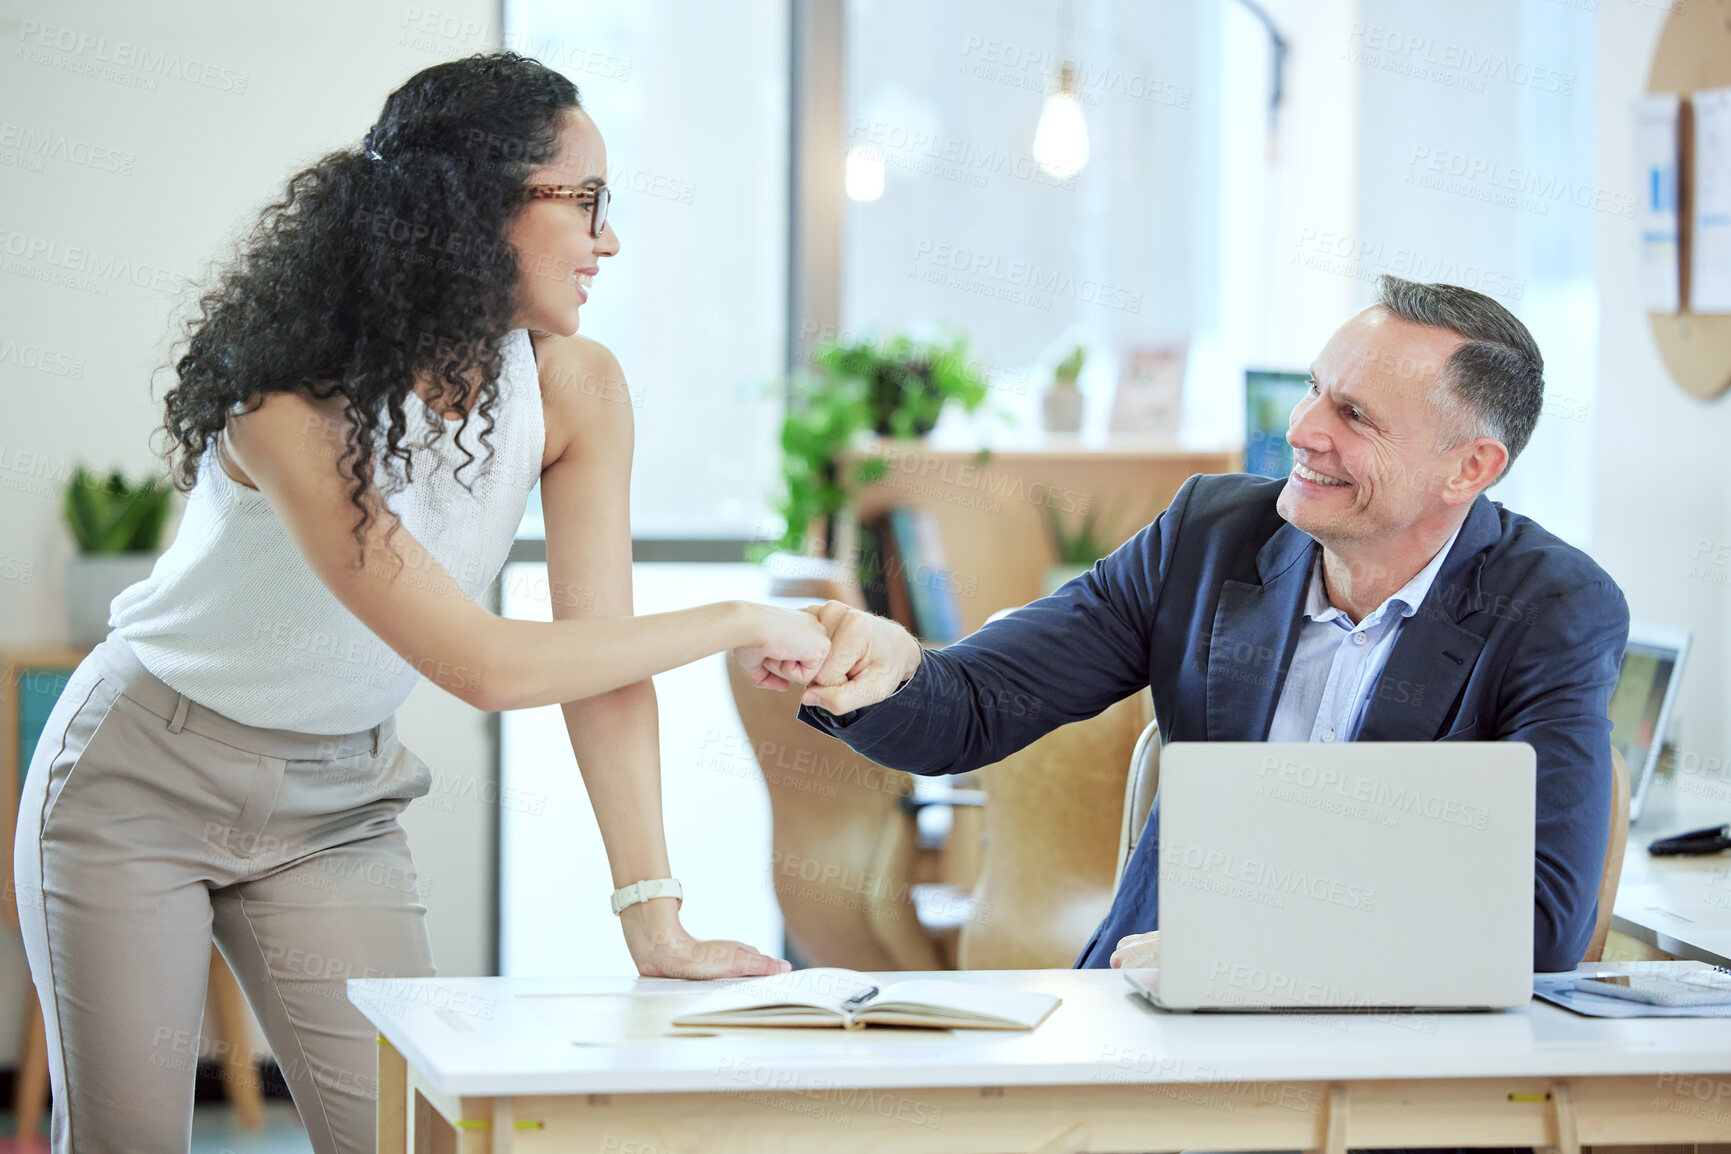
1061,408
891,384
1057,575
93,580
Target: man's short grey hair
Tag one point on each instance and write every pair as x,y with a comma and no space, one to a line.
1492,386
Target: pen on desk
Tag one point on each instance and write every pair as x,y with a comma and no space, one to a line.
860,999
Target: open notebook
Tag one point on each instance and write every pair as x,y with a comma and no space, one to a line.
835,997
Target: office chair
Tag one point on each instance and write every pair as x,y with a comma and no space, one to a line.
1051,811
843,843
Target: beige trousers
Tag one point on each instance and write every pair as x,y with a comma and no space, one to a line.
150,825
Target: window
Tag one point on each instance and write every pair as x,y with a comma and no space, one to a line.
692,102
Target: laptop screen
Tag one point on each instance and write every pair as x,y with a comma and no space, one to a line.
1641,703
1269,398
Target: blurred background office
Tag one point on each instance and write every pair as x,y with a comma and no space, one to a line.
1122,207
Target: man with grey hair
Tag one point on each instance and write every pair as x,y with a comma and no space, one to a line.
1375,594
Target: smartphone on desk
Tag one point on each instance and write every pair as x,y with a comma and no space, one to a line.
1705,988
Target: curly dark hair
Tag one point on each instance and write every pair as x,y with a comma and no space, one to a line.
380,265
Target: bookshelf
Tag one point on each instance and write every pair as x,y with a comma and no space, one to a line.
990,512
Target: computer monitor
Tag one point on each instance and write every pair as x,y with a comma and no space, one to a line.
1269,398
1641,703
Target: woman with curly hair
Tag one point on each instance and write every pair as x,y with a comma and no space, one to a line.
366,398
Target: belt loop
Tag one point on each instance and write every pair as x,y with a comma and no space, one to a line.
179,719
375,741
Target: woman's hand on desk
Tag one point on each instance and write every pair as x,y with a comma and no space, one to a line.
1137,952
661,948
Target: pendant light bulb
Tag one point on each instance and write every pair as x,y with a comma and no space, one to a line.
1061,140
864,177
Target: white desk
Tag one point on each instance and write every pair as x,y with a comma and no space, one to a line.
528,1065
1681,905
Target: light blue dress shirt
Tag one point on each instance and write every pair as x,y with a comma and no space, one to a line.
1337,664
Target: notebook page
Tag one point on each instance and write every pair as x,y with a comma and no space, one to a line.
823,987
1023,1007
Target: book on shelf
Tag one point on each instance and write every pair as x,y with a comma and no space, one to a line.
850,1000
882,575
937,618
874,575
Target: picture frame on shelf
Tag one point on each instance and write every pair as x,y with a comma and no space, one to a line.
1150,398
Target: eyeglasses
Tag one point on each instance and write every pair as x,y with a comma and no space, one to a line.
597,196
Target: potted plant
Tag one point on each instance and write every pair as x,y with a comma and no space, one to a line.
1076,549
1062,404
118,528
894,388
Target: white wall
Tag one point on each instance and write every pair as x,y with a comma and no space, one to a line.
169,161
1663,474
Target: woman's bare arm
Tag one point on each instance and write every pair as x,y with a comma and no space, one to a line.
417,608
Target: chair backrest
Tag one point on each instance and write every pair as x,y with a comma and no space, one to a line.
1613,870
1052,812
1139,789
842,846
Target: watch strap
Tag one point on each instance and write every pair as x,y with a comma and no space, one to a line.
643,891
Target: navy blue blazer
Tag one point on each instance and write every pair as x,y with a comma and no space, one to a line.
1519,639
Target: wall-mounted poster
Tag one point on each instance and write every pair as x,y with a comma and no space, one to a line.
1656,183
1710,216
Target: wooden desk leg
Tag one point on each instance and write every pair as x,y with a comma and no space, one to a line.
393,1100
1563,1122
239,1076
32,1088
504,1131
1334,1120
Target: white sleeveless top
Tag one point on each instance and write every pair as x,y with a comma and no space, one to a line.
233,617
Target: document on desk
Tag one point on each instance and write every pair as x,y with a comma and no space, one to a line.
1559,989
826,996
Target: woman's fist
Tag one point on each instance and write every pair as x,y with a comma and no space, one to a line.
787,645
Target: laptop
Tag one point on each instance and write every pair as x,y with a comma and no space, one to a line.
1641,705
1269,398
1352,876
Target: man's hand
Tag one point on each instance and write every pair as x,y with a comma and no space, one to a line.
1137,952
787,645
869,658
662,949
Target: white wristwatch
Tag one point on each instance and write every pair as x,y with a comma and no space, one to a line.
642,891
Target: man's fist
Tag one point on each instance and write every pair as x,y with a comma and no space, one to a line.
869,658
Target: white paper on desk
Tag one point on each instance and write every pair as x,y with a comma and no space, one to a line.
1710,241
1655,150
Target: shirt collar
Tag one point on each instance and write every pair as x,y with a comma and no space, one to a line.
1409,596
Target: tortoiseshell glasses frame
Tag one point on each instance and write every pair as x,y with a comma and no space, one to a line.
597,195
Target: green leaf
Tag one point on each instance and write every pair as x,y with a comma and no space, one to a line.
895,383
1071,366
110,515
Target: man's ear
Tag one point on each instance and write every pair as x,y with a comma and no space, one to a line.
1480,464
